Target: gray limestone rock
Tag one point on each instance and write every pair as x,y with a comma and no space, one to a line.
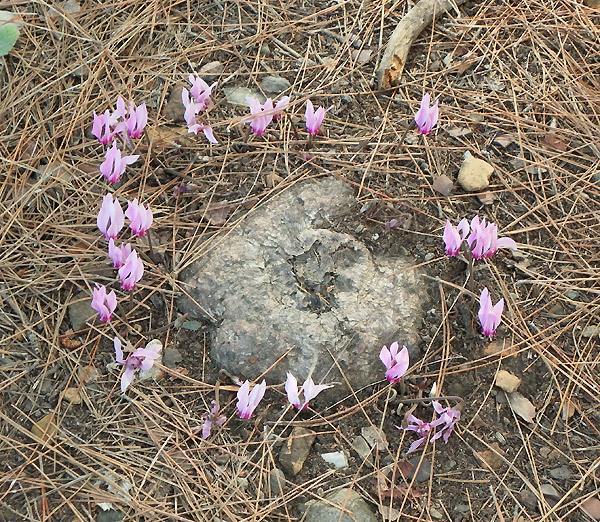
287,292
344,505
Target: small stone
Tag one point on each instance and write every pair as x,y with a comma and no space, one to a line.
72,395
500,438
337,459
238,95
174,108
80,310
423,471
429,256
362,448
443,184
507,381
375,437
362,56
172,357
474,174
344,505
274,84
561,473
109,516
296,449
436,513
528,498
491,457
276,482
591,331
211,69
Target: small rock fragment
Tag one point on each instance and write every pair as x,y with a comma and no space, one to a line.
72,395
561,473
591,506
238,95
87,374
296,449
474,174
422,468
344,505
211,69
486,198
443,184
337,459
174,108
528,498
491,457
276,482
359,444
80,310
375,437
549,491
274,84
507,381
591,331
172,357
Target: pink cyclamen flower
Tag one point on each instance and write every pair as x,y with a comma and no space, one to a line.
113,166
141,359
131,271
260,115
314,118
489,315
309,389
450,417
427,116
395,361
140,218
110,218
454,236
280,107
136,120
249,400
192,109
212,419
423,429
484,241
102,127
104,303
201,91
118,254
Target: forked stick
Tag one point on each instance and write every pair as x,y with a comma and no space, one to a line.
394,58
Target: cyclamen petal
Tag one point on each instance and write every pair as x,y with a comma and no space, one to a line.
489,315
131,271
261,115
104,303
140,218
118,255
249,400
314,118
309,390
141,359
396,362
426,117
110,219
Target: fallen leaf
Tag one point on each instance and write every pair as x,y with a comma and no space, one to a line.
88,374
507,381
66,340
491,457
457,132
521,406
443,184
9,34
72,395
554,142
272,180
191,325
486,198
217,214
591,507
45,428
499,347
569,408
168,137
504,140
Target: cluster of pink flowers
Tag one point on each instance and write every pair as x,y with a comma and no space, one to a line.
141,360
446,420
127,122
196,101
480,236
480,239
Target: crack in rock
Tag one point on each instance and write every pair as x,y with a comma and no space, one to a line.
289,293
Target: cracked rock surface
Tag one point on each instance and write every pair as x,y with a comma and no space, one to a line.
286,292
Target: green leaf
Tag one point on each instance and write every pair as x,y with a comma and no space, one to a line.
8,37
192,325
